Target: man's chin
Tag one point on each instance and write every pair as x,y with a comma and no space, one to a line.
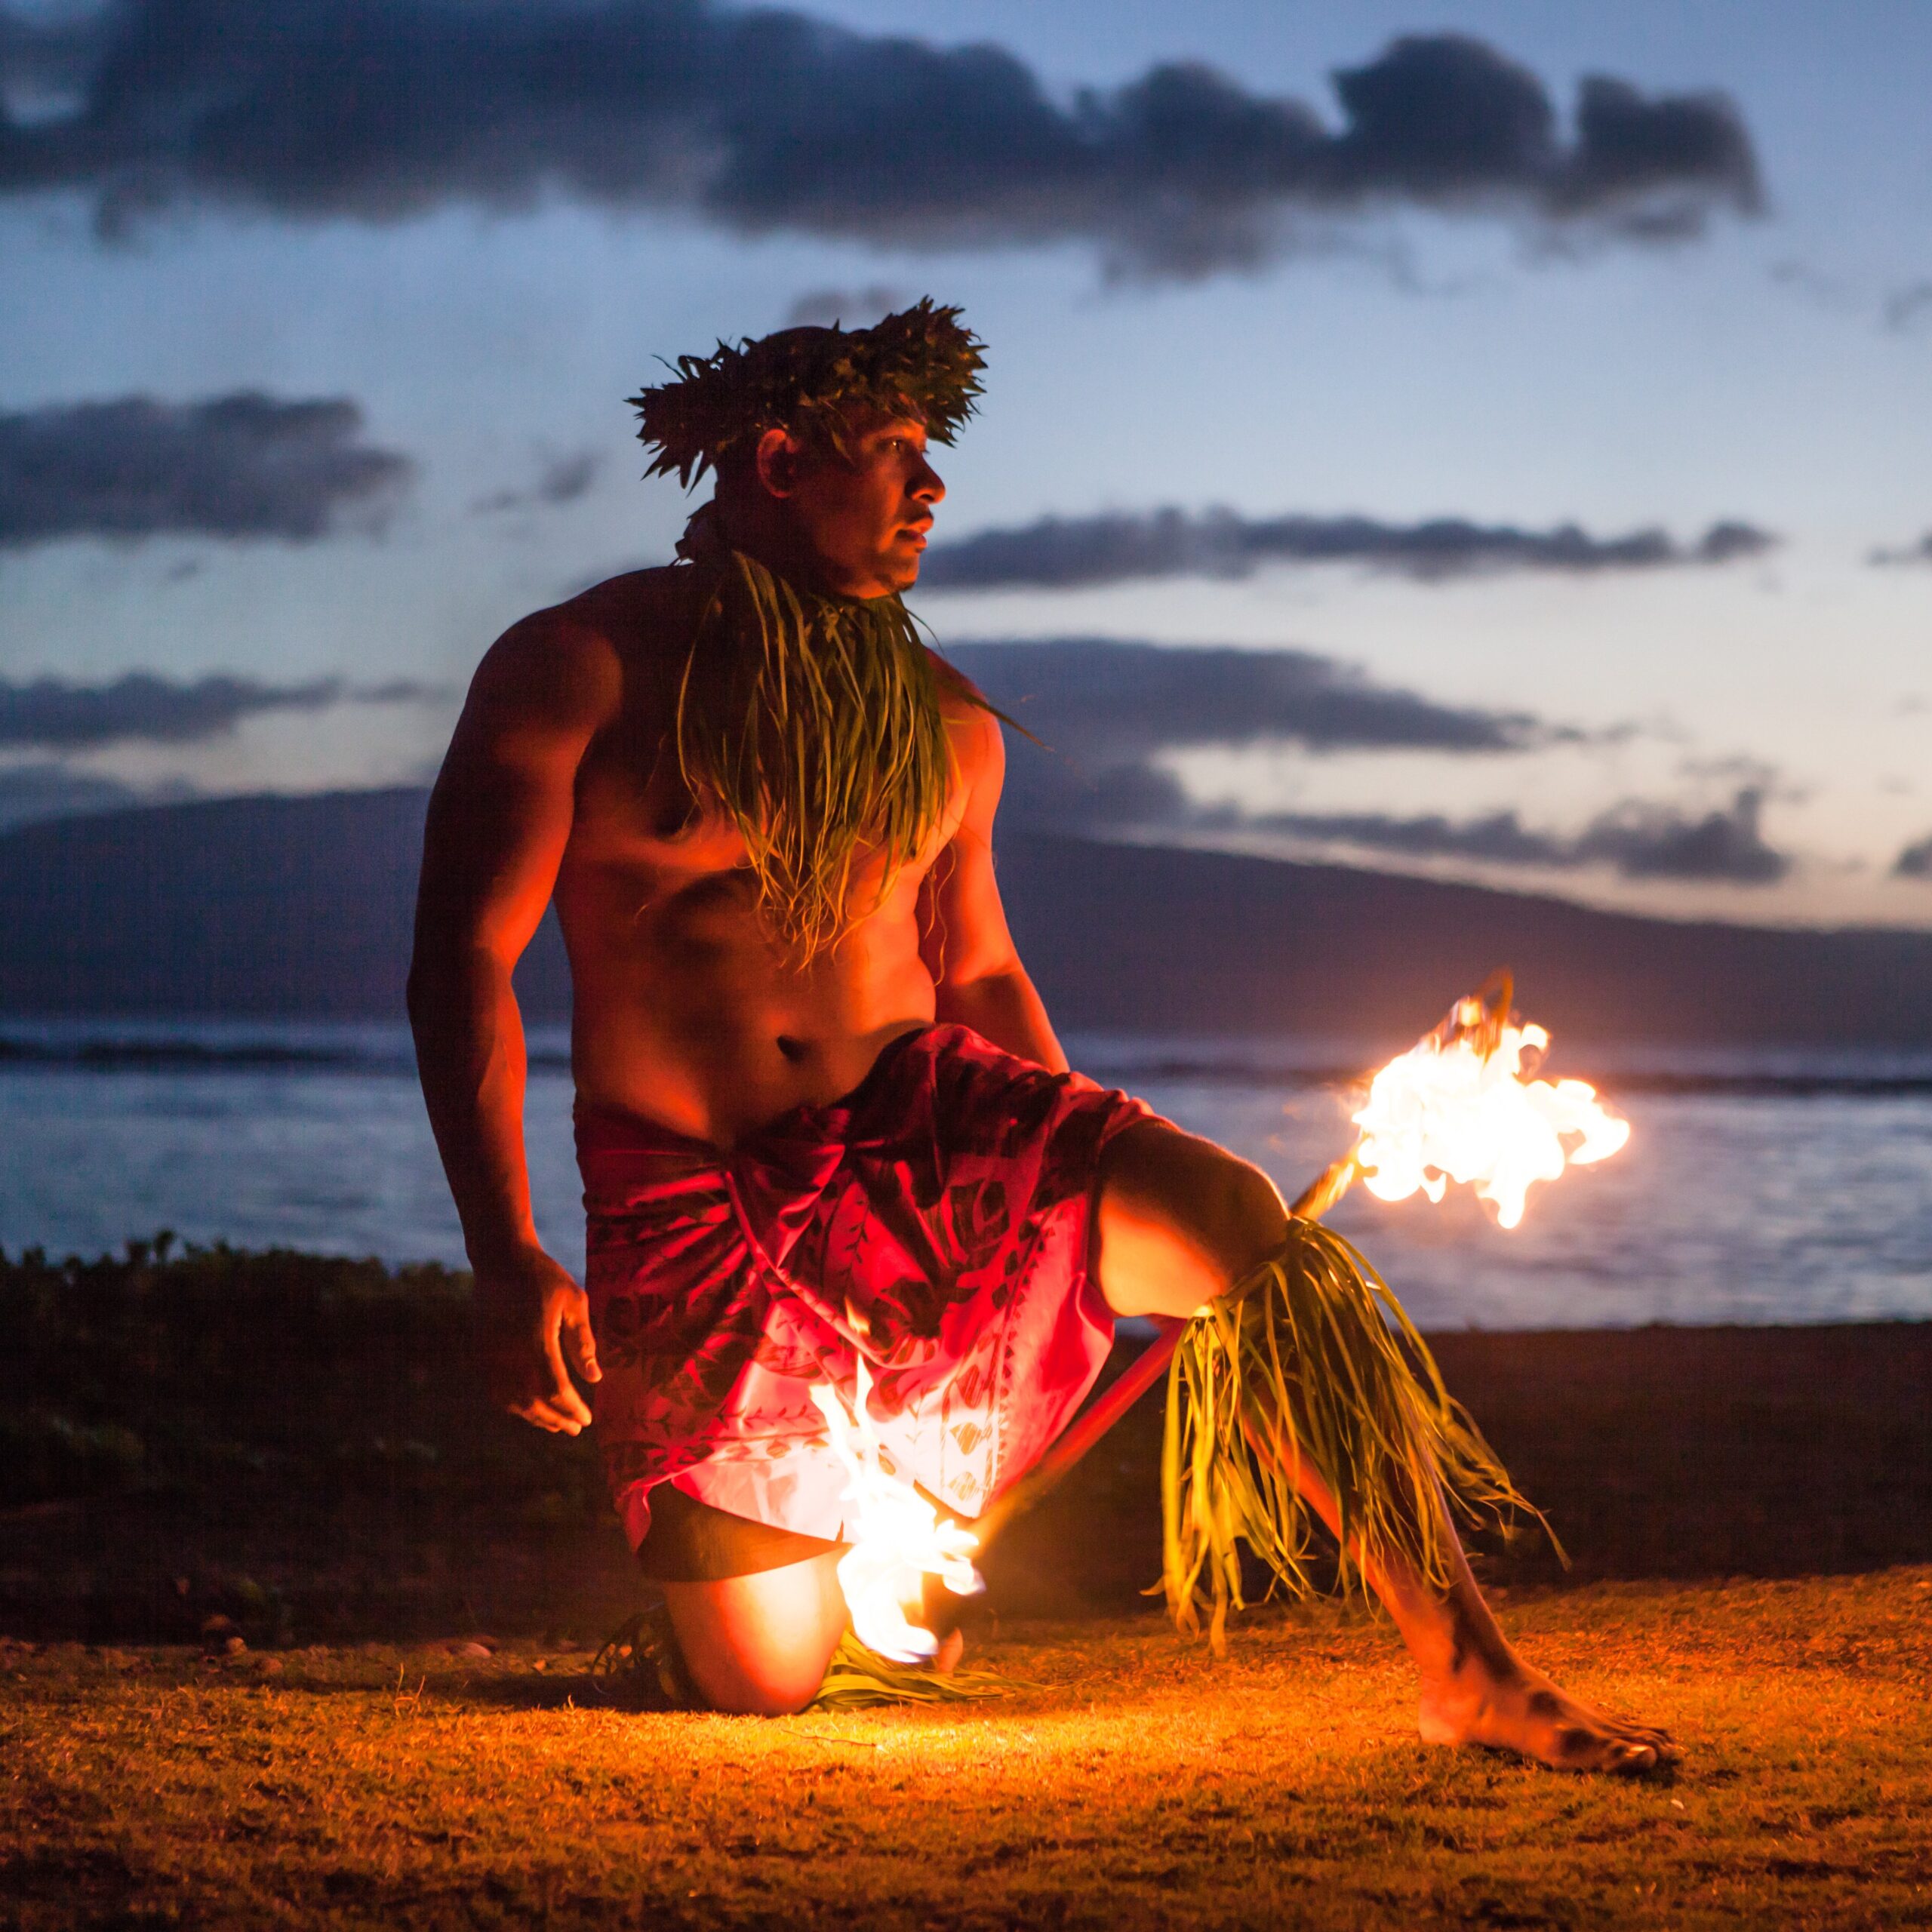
890,572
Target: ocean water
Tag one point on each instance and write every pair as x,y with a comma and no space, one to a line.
1755,1188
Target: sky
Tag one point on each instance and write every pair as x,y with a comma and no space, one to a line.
1480,439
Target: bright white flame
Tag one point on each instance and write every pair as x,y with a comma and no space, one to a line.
1443,1111
898,1538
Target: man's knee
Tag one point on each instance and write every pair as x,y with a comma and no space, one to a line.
742,1684
758,1646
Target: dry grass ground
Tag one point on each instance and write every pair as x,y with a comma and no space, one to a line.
1143,1783
293,1450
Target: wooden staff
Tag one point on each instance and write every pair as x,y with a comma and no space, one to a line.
1145,1370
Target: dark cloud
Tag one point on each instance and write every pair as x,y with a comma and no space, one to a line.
1066,553
1920,553
771,119
848,308
1104,713
237,466
563,479
1499,838
1101,699
1638,839
1644,841
1915,861
51,713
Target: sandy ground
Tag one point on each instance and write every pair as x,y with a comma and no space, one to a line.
1143,1782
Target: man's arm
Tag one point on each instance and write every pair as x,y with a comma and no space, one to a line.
967,945
499,819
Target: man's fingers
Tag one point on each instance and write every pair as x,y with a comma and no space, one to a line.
524,1345
544,1415
564,1396
584,1346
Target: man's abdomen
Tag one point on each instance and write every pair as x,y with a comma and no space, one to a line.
703,1025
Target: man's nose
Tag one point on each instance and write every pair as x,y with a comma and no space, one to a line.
927,486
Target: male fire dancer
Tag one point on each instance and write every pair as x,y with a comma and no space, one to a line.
821,1111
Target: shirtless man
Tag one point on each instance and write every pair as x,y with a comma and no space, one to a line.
701,1043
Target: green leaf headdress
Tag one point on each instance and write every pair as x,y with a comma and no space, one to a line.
812,721
812,382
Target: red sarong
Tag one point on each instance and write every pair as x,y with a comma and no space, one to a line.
936,1221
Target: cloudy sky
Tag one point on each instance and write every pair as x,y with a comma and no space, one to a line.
1487,439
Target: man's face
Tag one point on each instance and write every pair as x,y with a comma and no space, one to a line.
864,519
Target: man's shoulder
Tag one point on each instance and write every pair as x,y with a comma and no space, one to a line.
620,612
593,640
961,699
972,725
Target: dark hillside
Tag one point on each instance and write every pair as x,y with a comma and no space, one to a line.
255,905
302,906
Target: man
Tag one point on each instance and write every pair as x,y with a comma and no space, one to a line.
822,1113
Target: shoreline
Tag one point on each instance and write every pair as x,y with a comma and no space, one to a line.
299,1445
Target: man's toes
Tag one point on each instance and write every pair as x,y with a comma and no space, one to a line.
1628,1758
1659,1741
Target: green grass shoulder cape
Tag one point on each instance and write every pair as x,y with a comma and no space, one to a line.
814,724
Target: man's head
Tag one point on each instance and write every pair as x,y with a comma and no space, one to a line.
819,438
855,517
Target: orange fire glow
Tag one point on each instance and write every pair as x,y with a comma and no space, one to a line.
1456,1107
898,1538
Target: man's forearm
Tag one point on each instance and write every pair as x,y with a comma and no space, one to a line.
470,1059
1004,1008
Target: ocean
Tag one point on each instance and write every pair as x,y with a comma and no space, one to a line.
1756,1188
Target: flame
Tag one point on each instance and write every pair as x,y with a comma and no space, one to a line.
898,1538
1454,1107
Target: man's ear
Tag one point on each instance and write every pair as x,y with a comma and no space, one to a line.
776,461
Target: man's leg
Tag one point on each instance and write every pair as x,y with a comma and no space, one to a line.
1181,1221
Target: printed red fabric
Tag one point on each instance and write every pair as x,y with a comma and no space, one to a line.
935,1222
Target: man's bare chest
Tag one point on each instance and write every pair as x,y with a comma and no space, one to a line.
639,812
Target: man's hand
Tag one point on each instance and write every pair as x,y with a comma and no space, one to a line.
526,1306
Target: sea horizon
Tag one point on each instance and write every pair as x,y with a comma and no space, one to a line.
1761,1185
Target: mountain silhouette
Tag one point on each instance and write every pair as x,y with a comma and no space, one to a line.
301,907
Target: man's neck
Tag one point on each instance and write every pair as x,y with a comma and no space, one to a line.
761,528
769,539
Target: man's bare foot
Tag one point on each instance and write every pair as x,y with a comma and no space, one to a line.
952,1648
1519,1709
